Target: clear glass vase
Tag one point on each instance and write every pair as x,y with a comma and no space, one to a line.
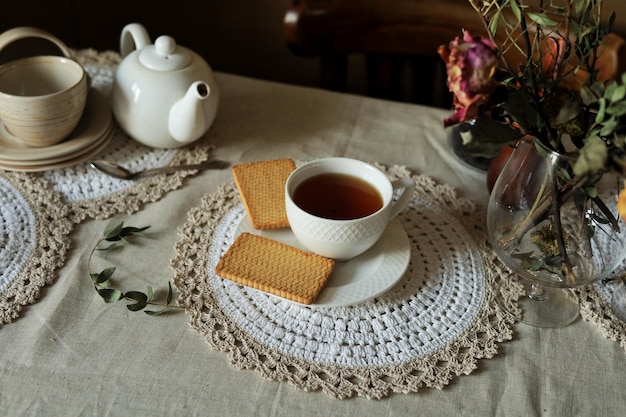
458,148
556,231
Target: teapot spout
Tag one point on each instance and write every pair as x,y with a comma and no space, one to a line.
188,119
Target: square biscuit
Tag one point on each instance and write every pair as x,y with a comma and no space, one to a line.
274,267
262,189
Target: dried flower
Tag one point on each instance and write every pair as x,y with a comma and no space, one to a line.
548,85
471,64
536,73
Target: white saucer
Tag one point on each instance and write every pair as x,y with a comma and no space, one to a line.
64,161
96,120
359,279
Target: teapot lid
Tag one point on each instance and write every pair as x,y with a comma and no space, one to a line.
164,55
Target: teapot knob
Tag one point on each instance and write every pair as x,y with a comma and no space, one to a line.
165,45
165,55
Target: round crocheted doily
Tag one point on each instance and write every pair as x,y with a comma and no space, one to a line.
432,326
34,229
93,194
595,307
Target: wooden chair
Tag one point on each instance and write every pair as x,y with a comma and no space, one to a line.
398,38
394,35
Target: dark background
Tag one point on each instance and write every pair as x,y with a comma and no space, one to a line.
237,36
242,37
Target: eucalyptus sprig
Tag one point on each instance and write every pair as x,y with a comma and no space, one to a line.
116,237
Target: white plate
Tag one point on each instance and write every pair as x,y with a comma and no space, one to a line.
62,158
95,121
359,279
68,160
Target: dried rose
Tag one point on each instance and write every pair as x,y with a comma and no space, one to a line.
471,64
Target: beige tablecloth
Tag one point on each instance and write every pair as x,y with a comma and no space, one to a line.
71,354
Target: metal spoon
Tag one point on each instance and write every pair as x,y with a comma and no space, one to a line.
119,171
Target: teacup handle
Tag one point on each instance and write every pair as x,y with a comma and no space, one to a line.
408,186
22,32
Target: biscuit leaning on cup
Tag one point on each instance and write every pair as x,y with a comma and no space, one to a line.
42,98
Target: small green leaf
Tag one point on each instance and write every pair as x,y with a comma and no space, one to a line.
111,246
493,24
601,110
536,265
141,300
610,90
110,295
139,305
104,275
132,231
110,233
617,109
618,93
587,95
608,127
598,89
516,10
542,19
154,312
578,5
565,173
169,293
568,111
592,192
592,157
150,294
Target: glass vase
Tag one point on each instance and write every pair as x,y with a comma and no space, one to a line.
555,230
458,148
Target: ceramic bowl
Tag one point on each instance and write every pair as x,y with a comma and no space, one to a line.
42,98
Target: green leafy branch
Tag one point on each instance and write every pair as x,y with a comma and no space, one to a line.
602,139
117,237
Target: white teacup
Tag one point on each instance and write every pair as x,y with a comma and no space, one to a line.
320,197
42,98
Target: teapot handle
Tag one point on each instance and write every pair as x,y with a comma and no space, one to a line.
134,36
22,32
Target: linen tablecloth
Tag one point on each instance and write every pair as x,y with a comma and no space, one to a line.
71,354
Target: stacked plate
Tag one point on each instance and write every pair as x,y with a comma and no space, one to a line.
92,135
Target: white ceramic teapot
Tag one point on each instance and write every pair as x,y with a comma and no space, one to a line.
164,95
